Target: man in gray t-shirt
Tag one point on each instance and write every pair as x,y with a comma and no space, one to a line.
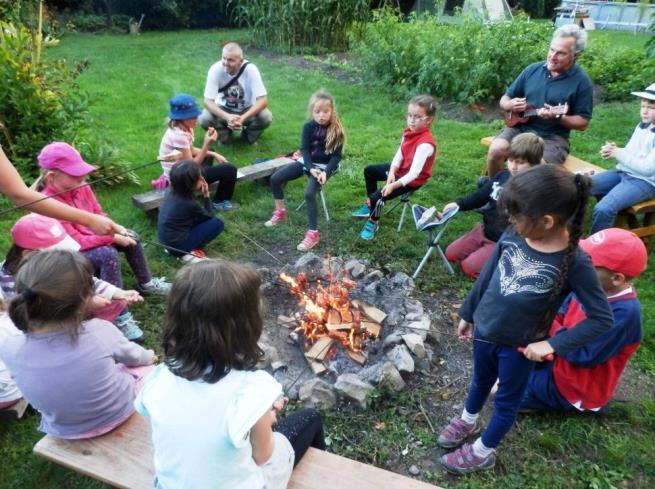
235,97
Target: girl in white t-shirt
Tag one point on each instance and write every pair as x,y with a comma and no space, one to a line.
212,414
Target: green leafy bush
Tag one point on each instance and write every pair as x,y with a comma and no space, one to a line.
97,23
306,26
176,14
618,72
469,62
39,101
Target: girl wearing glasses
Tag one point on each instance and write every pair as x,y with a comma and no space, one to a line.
411,166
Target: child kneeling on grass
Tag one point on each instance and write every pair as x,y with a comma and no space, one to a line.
213,416
185,226
585,378
474,248
411,166
633,181
66,366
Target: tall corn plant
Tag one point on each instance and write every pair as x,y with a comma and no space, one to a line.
301,25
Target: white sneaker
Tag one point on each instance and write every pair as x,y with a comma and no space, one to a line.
129,327
157,286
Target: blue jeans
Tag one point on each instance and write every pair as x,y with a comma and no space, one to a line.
200,235
617,191
542,393
512,369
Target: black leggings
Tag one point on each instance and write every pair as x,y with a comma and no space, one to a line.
372,175
225,174
303,429
291,172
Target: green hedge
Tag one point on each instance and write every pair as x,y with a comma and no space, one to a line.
473,62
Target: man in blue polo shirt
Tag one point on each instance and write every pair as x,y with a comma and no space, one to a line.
546,88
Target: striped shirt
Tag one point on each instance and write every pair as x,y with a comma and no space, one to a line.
175,139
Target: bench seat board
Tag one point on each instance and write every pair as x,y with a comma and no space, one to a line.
123,458
149,201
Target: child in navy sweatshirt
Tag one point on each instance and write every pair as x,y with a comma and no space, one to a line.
586,378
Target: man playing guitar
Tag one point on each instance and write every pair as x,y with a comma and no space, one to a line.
558,95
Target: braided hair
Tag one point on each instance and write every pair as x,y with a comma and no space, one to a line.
550,190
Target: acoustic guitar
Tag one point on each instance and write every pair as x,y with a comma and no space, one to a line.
513,119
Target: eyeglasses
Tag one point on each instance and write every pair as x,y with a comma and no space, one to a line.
416,117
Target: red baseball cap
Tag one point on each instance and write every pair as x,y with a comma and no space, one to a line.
63,157
35,232
617,250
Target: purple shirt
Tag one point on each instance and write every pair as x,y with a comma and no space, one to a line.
76,385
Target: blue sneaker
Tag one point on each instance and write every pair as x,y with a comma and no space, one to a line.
368,233
225,205
363,211
129,327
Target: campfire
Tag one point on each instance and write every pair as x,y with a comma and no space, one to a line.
329,318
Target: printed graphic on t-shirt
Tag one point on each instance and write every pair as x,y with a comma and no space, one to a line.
519,273
234,97
496,188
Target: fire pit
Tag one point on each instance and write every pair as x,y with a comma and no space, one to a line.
339,329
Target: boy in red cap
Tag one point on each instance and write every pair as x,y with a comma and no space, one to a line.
586,378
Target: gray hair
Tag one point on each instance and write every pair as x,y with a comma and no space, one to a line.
233,47
573,30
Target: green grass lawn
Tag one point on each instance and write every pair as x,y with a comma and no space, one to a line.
130,80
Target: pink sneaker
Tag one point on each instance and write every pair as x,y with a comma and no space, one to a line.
311,239
278,216
456,432
463,460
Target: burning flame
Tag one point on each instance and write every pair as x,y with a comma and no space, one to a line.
328,311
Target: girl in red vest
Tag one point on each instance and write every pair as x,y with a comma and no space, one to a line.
411,166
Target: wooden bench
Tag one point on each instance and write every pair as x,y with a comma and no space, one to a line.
627,218
123,458
150,201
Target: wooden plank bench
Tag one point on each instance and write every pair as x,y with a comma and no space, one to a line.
150,201
627,218
123,458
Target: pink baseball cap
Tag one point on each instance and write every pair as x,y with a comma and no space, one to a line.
36,232
617,250
63,157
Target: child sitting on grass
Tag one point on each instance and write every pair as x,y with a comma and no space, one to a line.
65,177
35,232
177,144
411,166
585,378
66,366
212,414
633,181
183,224
474,248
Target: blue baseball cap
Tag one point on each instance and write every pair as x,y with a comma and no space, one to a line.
183,106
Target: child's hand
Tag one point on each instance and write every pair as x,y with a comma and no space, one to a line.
130,296
211,136
102,225
448,206
204,188
608,150
464,330
218,157
388,188
279,405
98,302
319,175
537,351
123,240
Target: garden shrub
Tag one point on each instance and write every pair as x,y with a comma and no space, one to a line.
39,101
469,62
176,14
307,26
96,23
473,62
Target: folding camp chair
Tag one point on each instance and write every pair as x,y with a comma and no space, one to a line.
404,200
435,230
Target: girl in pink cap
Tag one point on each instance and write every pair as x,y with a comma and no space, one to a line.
65,175
34,232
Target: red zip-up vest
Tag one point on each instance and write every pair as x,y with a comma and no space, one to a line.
411,141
